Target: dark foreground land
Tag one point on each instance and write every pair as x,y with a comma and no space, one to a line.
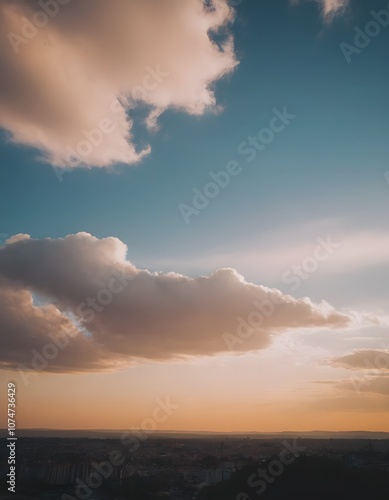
198,467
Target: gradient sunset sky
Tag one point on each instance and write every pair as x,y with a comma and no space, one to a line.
262,306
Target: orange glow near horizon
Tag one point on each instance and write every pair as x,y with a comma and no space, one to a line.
230,402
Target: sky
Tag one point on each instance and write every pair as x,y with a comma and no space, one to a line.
194,206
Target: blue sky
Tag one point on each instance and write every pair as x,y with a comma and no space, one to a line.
322,175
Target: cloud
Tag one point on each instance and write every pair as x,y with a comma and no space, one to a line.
329,8
363,359
72,75
118,313
373,365
373,385
333,7
18,237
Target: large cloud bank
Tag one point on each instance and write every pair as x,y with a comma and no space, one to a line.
72,71
85,290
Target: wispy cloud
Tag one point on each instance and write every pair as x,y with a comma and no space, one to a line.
329,8
364,359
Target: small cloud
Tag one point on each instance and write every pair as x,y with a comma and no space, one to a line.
332,8
329,8
17,237
363,359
